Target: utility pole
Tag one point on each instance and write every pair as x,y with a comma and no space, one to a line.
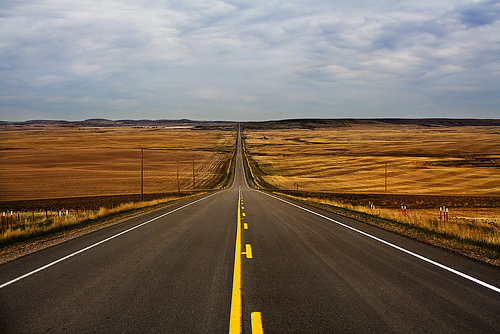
178,184
142,173
193,174
385,183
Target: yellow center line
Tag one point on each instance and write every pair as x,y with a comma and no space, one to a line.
248,251
235,317
245,226
256,318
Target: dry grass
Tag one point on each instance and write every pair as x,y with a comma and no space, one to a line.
421,160
45,222
47,162
481,225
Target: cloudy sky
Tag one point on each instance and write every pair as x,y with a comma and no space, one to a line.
249,60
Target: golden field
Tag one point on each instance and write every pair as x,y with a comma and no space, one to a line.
425,165
420,160
58,161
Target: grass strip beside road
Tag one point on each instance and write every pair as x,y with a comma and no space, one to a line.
20,238
484,251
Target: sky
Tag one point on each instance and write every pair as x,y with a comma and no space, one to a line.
249,60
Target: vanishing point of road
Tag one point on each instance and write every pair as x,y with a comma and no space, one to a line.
244,261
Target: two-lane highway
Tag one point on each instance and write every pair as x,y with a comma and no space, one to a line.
172,274
311,275
244,260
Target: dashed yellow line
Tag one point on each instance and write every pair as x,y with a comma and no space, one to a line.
256,323
235,326
248,251
235,316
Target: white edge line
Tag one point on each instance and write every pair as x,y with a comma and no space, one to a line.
98,243
470,278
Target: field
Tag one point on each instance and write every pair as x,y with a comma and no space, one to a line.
53,161
60,178
388,165
420,160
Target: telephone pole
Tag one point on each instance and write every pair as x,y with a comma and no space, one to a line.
193,174
178,184
385,183
142,173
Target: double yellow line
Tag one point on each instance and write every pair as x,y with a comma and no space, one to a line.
236,310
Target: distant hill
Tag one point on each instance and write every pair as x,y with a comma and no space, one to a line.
100,122
306,123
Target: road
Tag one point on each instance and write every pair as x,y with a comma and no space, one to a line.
241,259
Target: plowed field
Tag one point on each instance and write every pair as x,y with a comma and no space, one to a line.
441,160
55,161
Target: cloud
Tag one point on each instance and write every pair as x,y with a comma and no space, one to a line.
246,60
480,14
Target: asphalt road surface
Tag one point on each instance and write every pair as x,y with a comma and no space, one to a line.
244,260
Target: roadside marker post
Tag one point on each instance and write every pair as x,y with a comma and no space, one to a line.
3,222
11,215
446,215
